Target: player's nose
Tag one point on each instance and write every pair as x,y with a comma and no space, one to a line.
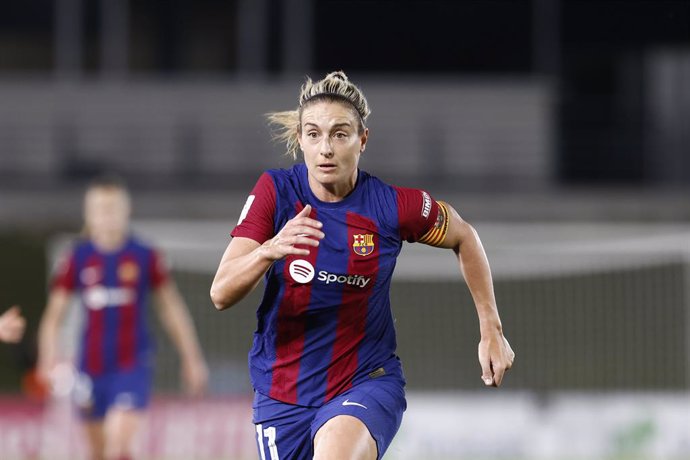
325,148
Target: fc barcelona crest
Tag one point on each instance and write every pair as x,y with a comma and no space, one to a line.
363,244
128,272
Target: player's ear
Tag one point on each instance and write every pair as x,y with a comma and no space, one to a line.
363,140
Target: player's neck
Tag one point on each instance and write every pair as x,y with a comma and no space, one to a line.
332,193
109,242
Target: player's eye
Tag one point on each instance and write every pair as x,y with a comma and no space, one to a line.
312,134
340,135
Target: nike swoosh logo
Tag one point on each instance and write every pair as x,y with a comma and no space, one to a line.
348,403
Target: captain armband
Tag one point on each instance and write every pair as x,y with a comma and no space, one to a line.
437,233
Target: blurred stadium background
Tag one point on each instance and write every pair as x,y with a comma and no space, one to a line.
559,128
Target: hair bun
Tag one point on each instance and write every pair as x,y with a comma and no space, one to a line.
338,74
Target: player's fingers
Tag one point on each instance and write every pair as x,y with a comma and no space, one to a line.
303,240
485,363
14,337
292,230
16,330
18,320
291,250
499,371
300,217
285,247
307,241
299,239
303,224
13,315
287,239
304,212
508,354
302,230
311,222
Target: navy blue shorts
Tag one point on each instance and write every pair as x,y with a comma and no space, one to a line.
95,396
286,431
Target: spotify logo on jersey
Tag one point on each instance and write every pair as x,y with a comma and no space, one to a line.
301,271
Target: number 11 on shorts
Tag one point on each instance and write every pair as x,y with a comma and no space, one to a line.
270,434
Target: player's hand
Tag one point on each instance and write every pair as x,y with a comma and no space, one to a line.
194,377
44,371
300,230
12,325
495,357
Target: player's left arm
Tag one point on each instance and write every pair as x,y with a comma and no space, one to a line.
452,232
178,323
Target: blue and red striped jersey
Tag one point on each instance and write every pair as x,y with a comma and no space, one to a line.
325,322
113,289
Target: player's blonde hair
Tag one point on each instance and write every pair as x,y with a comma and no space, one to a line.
334,87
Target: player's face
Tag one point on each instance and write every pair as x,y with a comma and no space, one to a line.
106,212
332,144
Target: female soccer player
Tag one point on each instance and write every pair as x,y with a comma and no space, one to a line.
12,325
325,235
112,272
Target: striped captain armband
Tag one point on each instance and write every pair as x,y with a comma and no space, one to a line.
437,233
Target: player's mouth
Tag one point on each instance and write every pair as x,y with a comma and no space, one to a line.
327,167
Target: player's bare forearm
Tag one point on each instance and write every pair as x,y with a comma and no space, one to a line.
177,322
495,353
58,301
241,268
474,266
180,327
245,261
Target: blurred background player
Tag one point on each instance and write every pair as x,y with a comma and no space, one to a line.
326,237
12,325
112,272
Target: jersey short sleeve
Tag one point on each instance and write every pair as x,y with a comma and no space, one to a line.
65,275
256,220
420,217
159,272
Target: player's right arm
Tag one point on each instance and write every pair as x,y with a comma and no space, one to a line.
246,260
58,302
63,285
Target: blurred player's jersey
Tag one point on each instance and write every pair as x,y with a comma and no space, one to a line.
113,289
325,322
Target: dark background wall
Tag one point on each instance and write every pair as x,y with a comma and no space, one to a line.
597,52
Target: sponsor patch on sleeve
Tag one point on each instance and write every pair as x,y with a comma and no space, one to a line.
426,205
